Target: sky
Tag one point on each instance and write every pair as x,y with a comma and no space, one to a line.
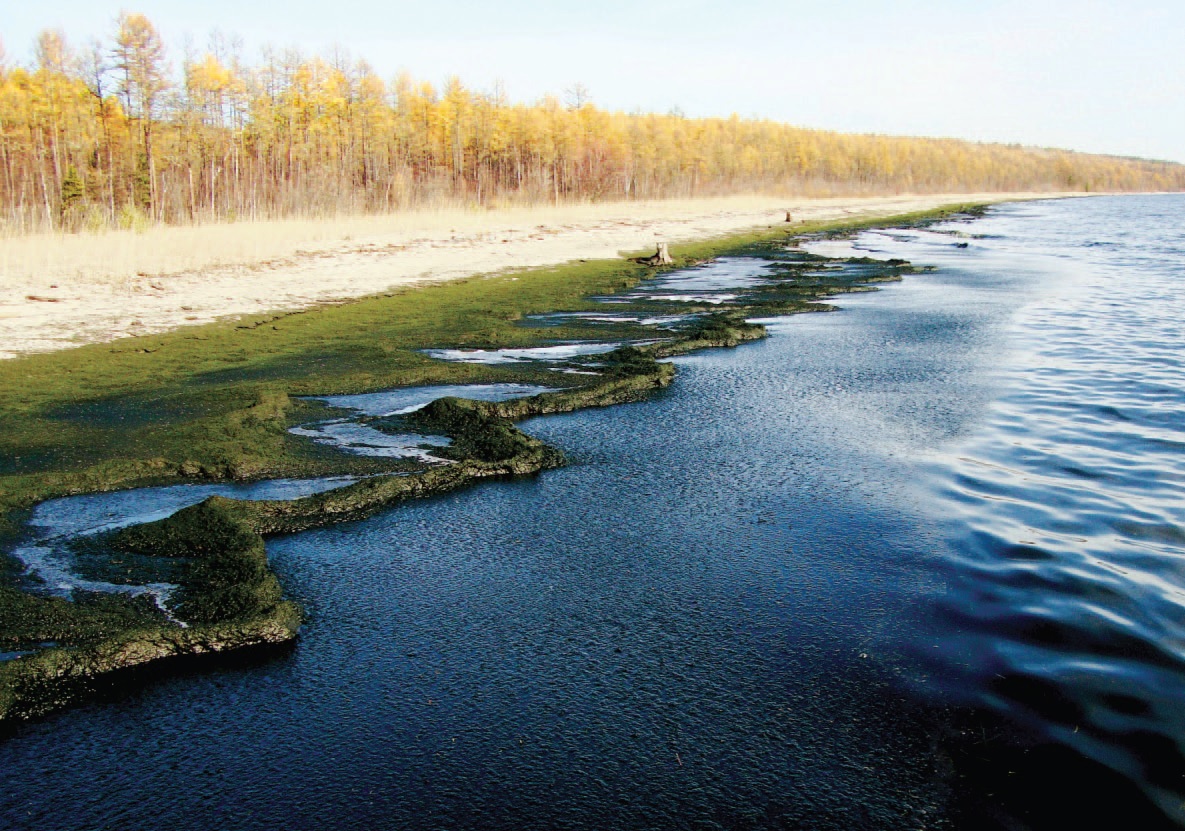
1088,75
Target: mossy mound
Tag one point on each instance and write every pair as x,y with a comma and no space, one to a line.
476,434
228,599
227,577
722,329
49,680
27,620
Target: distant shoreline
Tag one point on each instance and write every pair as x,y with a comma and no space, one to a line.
62,291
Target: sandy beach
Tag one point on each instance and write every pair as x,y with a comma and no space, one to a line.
62,291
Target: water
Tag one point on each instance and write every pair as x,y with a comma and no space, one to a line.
408,400
49,559
560,318
1065,512
364,440
559,352
912,564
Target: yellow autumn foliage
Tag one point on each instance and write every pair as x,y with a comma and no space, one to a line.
301,136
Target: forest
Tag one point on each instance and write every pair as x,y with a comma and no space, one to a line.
116,134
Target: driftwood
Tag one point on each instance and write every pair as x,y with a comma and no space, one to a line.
662,256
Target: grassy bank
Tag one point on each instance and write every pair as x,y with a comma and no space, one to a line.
215,403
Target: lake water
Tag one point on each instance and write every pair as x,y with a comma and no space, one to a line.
917,563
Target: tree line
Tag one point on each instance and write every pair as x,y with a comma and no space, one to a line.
108,135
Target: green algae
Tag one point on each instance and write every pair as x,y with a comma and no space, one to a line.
216,402
38,684
27,620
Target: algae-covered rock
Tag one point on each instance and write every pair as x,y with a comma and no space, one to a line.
196,531
723,329
227,577
37,684
28,620
476,434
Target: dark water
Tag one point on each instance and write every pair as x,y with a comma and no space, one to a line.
781,594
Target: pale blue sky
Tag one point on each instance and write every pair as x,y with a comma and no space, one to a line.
1088,75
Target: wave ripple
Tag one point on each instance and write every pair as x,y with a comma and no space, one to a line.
1066,512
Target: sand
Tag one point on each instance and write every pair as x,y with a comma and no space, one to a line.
62,291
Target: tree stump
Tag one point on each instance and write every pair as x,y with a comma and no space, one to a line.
662,256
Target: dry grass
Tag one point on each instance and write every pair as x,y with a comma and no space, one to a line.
116,255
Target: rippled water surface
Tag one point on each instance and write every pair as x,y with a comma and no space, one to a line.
1065,511
867,573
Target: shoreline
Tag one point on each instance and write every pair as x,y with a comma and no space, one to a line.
221,537
63,291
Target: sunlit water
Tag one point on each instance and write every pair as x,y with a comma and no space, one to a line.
750,600
560,352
